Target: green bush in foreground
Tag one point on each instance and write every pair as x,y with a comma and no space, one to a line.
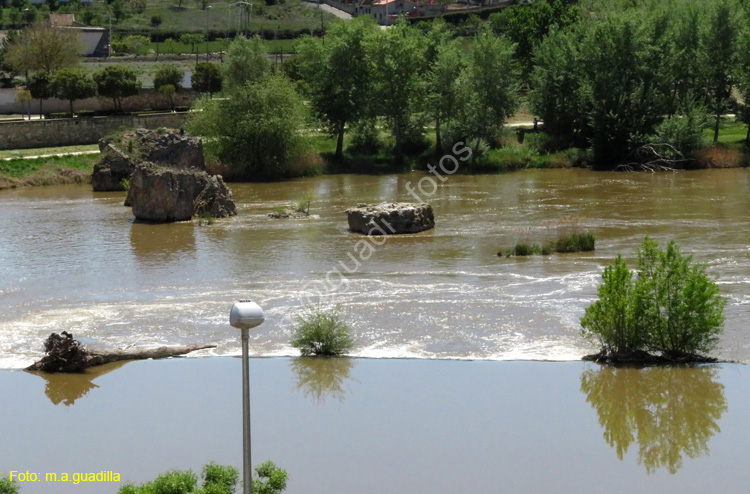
321,333
672,307
7,486
217,479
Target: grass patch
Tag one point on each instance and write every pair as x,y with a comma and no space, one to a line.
272,46
523,249
18,153
732,132
576,242
292,15
58,170
570,238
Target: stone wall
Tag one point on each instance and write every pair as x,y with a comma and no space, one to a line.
83,130
147,99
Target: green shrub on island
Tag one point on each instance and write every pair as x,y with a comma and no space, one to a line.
217,479
302,205
576,242
7,486
671,307
523,249
321,333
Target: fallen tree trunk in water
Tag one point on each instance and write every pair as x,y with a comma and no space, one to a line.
65,354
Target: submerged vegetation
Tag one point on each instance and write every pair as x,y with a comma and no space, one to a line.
670,311
576,242
571,237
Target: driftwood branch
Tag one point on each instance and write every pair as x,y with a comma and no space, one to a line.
657,157
65,354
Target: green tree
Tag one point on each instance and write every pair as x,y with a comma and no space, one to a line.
338,75
488,88
135,42
219,479
742,69
270,479
71,85
170,45
399,77
720,59
116,82
672,307
193,39
246,61
624,82
206,78
168,75
40,88
686,69
559,95
526,25
677,303
168,90
42,48
446,63
609,320
255,130
118,10
23,96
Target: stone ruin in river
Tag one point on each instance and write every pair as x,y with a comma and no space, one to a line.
390,218
165,175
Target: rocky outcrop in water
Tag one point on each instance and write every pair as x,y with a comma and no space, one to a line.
390,218
165,175
159,193
119,155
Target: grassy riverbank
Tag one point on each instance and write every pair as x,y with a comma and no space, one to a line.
520,149
53,170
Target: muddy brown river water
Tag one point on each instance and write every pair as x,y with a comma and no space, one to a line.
72,260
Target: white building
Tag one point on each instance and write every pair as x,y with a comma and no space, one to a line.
385,12
95,40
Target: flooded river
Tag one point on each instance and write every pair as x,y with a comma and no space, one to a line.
74,260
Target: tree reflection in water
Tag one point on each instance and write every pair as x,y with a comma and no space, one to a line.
67,388
671,412
320,377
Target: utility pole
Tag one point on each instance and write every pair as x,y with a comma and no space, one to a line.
208,17
248,8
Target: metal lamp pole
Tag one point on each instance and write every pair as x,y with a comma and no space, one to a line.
245,315
247,465
208,16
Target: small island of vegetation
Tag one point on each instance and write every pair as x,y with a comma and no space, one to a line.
671,312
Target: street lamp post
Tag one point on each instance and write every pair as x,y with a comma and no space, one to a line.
244,315
208,17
